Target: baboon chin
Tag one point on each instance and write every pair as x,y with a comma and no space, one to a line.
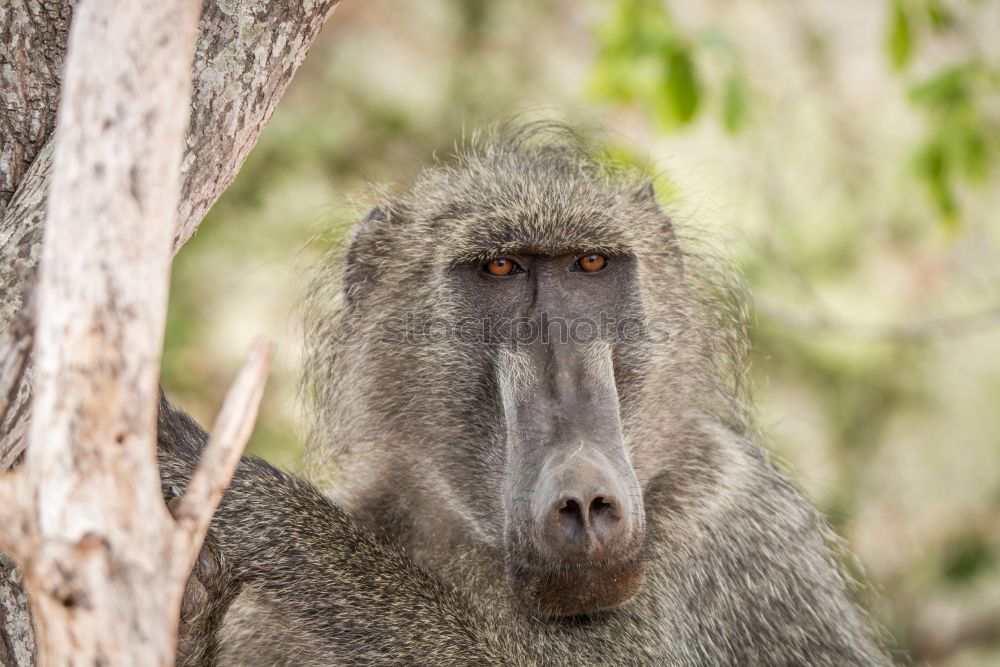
579,590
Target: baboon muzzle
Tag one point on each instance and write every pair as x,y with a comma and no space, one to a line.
574,507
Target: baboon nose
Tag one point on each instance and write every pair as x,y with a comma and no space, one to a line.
584,526
589,522
581,511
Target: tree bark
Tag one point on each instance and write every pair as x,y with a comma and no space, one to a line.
247,52
33,35
17,638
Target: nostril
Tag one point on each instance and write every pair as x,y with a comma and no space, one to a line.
571,520
605,517
584,525
600,506
571,510
603,507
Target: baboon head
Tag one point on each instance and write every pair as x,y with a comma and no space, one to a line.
483,371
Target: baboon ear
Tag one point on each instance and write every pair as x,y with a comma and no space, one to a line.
645,195
362,258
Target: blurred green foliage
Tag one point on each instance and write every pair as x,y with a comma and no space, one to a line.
842,155
967,558
964,140
899,41
961,100
644,58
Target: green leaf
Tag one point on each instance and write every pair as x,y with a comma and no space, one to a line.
966,147
940,17
934,168
899,40
947,88
734,103
682,91
967,558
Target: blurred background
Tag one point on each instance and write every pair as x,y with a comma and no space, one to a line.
843,154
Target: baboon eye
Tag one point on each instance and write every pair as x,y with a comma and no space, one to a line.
501,266
592,263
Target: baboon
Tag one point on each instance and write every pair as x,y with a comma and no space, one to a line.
532,445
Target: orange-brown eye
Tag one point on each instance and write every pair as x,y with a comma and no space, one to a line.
592,263
501,266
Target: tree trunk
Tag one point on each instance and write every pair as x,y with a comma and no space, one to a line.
247,52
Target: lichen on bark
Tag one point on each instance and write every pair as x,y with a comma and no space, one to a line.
17,637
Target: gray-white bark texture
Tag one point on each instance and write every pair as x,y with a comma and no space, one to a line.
247,52
17,639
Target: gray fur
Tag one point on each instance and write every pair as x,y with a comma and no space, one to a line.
407,563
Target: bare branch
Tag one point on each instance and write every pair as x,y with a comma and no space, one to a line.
96,540
232,430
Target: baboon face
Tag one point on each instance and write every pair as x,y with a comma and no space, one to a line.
571,503
499,340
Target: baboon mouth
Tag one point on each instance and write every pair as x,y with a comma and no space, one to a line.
578,590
